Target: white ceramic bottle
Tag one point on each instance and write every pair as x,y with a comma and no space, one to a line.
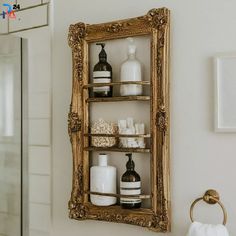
102,180
131,71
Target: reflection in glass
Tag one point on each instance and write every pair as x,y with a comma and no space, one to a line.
6,97
10,137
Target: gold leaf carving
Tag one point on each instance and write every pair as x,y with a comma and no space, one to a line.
77,210
79,180
122,218
80,212
159,222
157,18
76,35
114,28
161,119
74,123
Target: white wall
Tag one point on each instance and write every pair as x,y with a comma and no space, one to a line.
200,158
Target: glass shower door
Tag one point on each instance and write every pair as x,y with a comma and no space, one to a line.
10,137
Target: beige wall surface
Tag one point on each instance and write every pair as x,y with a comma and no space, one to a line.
200,158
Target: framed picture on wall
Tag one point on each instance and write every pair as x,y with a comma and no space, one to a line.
225,92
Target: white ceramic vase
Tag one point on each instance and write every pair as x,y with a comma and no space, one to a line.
103,180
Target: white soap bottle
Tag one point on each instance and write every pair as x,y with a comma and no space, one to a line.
103,180
131,70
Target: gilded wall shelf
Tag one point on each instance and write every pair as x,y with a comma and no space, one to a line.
155,24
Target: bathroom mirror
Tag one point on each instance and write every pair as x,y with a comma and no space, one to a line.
150,107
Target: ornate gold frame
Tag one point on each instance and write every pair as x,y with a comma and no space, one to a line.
156,24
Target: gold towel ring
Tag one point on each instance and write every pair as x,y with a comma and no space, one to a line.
211,197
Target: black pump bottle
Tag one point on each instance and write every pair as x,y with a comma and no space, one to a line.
130,185
102,73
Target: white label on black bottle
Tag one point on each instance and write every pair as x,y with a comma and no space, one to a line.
130,184
101,74
130,188
101,77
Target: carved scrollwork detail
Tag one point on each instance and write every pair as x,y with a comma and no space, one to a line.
74,123
78,63
155,222
127,219
161,119
159,59
159,65
79,180
141,221
114,28
157,18
159,222
77,210
76,35
161,39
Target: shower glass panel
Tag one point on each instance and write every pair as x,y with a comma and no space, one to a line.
11,148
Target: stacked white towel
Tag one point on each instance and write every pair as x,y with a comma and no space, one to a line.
199,229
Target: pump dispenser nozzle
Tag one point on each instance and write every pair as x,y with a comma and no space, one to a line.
102,44
130,164
131,47
102,55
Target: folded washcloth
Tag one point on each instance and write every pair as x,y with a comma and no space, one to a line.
199,229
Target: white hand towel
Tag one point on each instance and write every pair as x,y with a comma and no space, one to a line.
199,229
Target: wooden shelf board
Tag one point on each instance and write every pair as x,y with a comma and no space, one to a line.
119,135
147,83
116,149
119,209
140,196
119,99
